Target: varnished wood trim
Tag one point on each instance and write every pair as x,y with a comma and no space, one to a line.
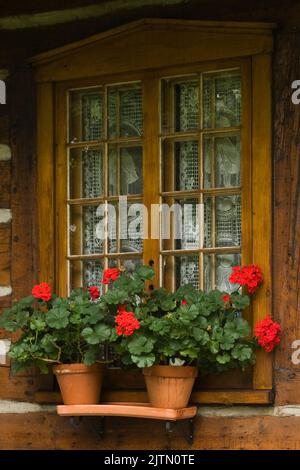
262,206
45,187
252,397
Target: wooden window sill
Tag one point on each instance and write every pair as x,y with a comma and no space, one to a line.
203,397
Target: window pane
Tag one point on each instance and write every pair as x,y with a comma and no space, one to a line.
181,165
125,111
131,170
222,100
86,273
180,224
86,173
131,231
217,269
228,221
222,161
125,170
180,105
187,271
86,115
86,229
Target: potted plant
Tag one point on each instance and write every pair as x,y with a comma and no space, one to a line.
64,333
172,335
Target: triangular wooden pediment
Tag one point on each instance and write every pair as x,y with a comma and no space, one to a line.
153,43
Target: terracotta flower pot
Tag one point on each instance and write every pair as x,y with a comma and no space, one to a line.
170,386
79,384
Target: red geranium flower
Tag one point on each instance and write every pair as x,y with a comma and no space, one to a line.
126,322
267,333
110,274
226,298
250,276
42,291
183,302
94,292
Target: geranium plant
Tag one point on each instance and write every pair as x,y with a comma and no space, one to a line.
55,330
189,327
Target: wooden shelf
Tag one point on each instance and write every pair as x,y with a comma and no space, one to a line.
130,410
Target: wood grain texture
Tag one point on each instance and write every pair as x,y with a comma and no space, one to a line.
17,387
262,204
134,47
286,248
49,431
22,104
45,178
5,184
254,397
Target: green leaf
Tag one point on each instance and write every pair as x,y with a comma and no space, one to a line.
242,353
58,318
201,336
240,302
140,344
145,360
115,296
90,356
97,335
214,347
227,341
145,272
168,305
223,358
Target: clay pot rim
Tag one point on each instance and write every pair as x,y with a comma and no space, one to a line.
171,371
77,368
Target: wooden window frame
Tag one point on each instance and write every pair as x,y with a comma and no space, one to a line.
203,46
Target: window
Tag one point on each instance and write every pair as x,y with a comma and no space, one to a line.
191,137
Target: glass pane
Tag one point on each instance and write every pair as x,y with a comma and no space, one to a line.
180,105
131,264
208,158
86,273
224,264
180,224
131,228
224,155
131,170
217,269
186,166
228,221
86,229
86,173
86,115
125,111
181,165
187,271
207,222
207,272
112,227
112,171
222,100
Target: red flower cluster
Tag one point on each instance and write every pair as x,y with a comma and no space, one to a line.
94,292
267,333
42,291
126,322
184,302
226,298
250,276
110,274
